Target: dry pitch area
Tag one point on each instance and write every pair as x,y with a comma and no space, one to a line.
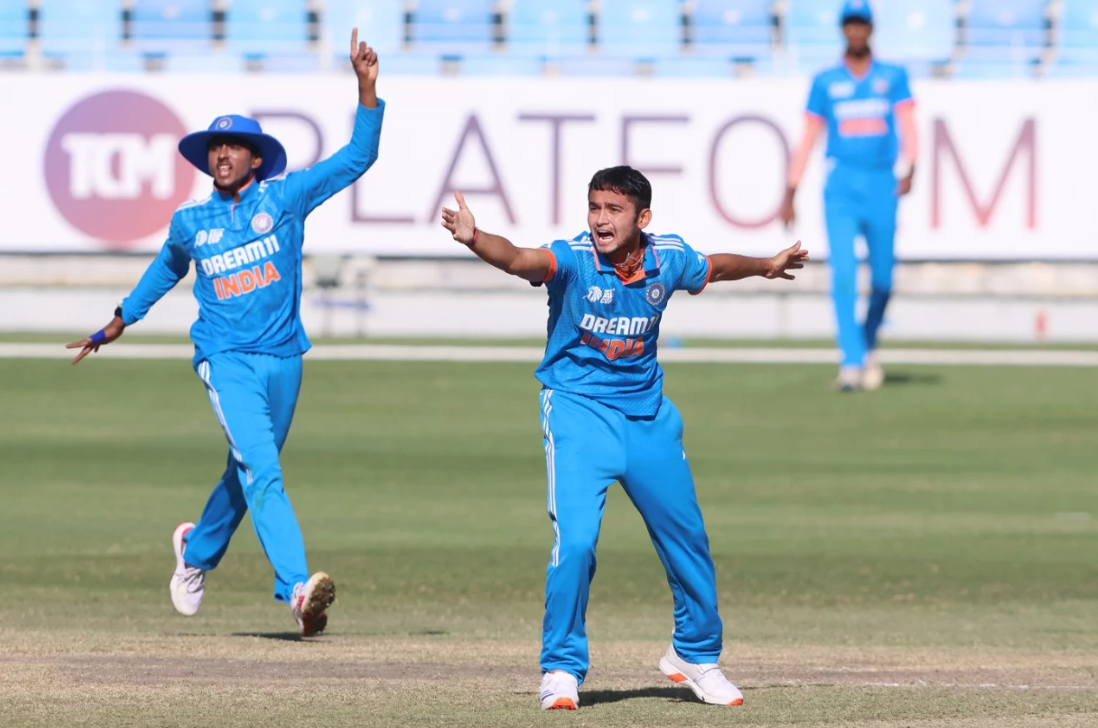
927,556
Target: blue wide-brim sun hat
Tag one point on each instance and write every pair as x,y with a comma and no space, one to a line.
856,10
195,147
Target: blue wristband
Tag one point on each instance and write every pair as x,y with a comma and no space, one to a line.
98,337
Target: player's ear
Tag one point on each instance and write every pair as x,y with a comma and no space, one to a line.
257,162
644,218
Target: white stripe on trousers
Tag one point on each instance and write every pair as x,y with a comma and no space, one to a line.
551,473
204,375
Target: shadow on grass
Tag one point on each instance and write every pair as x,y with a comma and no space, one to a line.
901,378
600,697
277,636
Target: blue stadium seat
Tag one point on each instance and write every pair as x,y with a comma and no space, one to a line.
740,29
548,28
1013,30
459,27
693,67
1077,38
171,25
380,23
501,65
77,30
266,27
14,27
640,29
812,33
907,30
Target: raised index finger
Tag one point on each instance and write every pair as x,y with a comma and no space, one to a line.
354,42
460,200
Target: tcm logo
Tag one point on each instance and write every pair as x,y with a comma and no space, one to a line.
112,168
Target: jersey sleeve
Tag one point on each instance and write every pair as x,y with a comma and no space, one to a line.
169,267
306,189
900,90
817,98
695,271
562,269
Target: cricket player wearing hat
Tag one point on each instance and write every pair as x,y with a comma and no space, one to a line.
862,103
245,239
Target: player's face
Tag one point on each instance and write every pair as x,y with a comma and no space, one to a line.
613,220
231,162
857,36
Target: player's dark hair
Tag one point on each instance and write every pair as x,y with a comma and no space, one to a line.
232,139
626,181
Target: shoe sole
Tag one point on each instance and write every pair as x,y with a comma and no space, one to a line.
675,676
561,704
178,535
321,595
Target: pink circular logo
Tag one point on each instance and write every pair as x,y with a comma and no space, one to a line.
113,169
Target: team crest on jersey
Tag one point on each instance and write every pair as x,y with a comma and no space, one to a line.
594,294
655,294
880,86
223,123
262,223
211,237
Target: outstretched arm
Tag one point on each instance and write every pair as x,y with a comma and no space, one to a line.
532,264
730,267
307,189
813,125
169,267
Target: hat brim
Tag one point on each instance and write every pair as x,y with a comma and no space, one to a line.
195,149
856,18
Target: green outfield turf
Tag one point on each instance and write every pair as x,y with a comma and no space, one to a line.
924,555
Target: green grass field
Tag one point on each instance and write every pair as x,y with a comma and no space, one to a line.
923,556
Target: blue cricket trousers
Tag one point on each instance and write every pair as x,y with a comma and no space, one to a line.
253,396
862,202
588,446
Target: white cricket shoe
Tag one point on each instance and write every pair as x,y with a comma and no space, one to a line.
873,376
310,602
188,582
559,691
849,379
706,680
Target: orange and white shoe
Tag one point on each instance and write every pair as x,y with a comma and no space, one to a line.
559,691
188,584
310,602
706,680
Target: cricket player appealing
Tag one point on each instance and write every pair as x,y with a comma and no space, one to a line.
245,239
605,418
861,102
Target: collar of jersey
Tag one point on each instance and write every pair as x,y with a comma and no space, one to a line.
651,259
868,71
245,192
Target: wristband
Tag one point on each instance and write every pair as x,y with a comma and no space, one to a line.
98,337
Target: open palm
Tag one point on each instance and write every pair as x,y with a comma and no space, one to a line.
461,223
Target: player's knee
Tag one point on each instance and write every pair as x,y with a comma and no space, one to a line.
577,545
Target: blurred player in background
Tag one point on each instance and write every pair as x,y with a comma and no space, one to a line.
605,418
861,103
246,241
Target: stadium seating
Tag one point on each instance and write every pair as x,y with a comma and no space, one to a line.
258,28
547,28
1076,39
453,27
737,29
380,23
915,30
165,26
1005,30
812,35
639,29
14,28
79,33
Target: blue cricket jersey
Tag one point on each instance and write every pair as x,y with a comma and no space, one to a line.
248,254
603,330
860,113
